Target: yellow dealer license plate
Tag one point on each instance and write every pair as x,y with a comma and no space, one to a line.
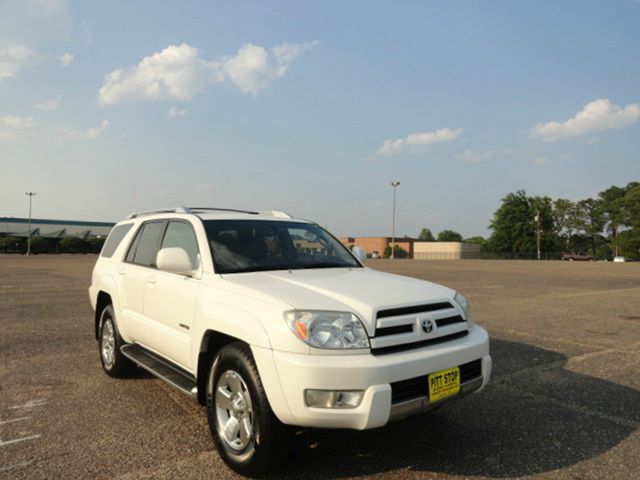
444,384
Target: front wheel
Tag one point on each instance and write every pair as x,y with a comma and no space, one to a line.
245,430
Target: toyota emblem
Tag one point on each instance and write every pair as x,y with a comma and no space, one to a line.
427,325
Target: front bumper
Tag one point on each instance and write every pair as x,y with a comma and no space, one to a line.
373,374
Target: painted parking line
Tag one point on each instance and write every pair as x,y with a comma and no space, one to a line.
12,420
4,443
29,404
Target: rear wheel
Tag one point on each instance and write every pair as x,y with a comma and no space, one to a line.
113,361
250,438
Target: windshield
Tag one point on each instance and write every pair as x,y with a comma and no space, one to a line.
255,245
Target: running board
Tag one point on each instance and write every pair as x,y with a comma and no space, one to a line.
161,368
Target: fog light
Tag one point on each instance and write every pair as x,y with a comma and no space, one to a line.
333,398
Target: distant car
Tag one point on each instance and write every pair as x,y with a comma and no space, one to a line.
619,259
578,257
375,255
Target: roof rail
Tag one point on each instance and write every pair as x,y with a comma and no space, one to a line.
160,210
273,213
250,212
276,213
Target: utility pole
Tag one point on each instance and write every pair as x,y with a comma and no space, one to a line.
538,232
30,195
393,221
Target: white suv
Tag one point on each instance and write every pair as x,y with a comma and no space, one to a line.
271,322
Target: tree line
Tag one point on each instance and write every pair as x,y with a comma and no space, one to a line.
43,245
604,226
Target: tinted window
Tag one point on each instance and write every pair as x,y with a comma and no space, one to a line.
114,239
253,245
147,244
181,234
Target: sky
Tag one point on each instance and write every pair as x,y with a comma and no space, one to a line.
313,108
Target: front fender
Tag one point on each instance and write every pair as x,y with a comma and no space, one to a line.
107,284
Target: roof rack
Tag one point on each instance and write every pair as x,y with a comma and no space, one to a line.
250,212
160,210
276,213
193,210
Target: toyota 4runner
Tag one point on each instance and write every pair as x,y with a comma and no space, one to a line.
271,322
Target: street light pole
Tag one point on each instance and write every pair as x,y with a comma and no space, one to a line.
538,232
30,195
394,184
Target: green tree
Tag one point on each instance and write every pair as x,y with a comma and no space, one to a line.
514,225
590,220
12,245
94,244
477,239
73,245
399,252
563,217
426,235
449,236
614,213
40,245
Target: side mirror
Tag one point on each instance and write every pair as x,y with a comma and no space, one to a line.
174,260
360,253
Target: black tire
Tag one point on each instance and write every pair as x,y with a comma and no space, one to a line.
118,365
270,441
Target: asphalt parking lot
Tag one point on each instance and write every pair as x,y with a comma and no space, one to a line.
564,401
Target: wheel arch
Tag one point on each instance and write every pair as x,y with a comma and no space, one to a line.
102,301
210,344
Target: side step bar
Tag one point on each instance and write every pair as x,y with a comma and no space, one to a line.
161,368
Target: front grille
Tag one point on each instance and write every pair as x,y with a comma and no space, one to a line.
443,322
429,307
418,387
384,331
423,343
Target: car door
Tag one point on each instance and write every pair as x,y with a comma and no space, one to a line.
133,273
170,298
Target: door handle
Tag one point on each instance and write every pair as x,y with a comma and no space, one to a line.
152,279
121,271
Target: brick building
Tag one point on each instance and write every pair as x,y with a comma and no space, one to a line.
417,249
378,244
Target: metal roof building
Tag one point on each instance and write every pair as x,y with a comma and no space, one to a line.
46,228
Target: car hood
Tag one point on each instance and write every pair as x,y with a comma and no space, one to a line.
360,290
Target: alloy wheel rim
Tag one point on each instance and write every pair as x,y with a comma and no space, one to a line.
108,343
234,410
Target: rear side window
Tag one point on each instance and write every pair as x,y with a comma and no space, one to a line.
114,239
145,247
181,234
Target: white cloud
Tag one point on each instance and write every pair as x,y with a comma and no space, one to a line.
203,188
178,72
15,126
73,133
540,161
12,59
253,67
17,122
177,112
416,142
474,156
50,104
600,114
66,58
24,26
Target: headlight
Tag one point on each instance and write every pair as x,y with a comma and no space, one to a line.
464,305
333,330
